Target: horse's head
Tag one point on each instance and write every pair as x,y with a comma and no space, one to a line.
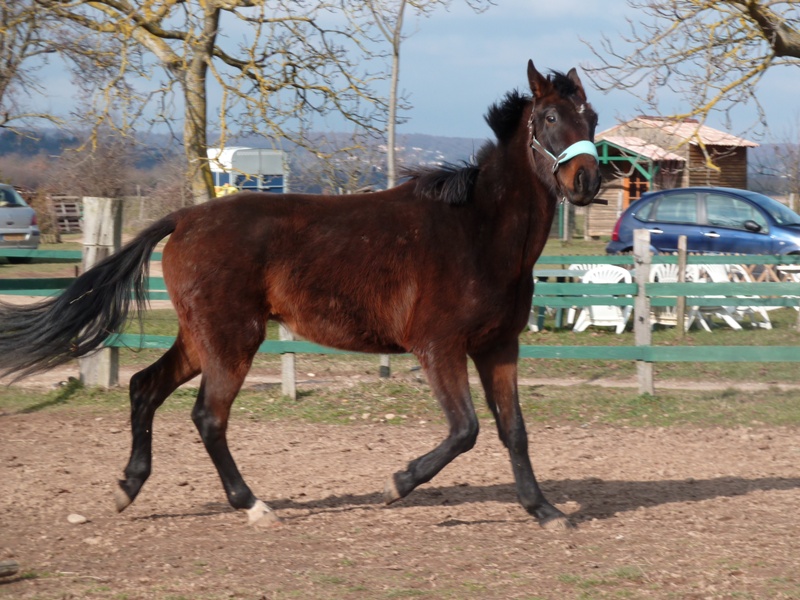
561,128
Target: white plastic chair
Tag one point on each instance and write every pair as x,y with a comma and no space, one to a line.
605,315
573,310
533,316
664,315
739,273
795,277
732,315
668,315
536,312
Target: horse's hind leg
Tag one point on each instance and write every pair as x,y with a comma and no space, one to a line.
498,373
447,376
148,390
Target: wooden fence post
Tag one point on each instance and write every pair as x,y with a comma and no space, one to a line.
102,236
385,369
288,368
642,325
680,308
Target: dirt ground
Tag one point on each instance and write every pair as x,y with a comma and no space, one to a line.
661,513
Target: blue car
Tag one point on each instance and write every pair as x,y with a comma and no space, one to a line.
713,219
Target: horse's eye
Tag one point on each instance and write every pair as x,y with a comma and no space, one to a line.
550,118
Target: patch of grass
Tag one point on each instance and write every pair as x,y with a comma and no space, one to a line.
783,587
583,583
326,579
31,575
395,403
616,406
473,587
406,593
590,586
632,573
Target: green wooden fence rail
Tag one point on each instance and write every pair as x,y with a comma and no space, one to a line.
562,259
557,295
54,255
645,353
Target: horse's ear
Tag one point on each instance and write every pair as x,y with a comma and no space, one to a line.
540,85
573,77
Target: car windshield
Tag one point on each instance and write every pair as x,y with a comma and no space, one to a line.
782,214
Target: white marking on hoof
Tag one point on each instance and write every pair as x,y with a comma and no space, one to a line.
261,515
121,499
558,524
390,493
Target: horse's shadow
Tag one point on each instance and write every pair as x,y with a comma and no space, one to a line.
597,498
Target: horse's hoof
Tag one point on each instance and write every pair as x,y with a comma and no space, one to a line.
557,523
121,499
262,516
551,518
390,491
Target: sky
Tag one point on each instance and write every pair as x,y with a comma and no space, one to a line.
456,63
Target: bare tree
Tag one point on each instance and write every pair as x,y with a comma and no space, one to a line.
102,169
22,29
349,172
713,53
390,17
778,170
30,35
274,63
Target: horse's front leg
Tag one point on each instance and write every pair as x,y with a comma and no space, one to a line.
447,376
498,373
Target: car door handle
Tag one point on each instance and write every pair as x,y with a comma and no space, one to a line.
711,234
656,230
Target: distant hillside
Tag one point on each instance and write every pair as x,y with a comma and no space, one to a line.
413,149
418,148
150,152
768,165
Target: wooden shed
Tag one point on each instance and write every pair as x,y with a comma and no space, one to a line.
655,153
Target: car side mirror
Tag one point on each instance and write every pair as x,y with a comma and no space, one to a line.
751,225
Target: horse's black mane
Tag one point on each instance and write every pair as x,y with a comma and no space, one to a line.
448,183
452,183
504,116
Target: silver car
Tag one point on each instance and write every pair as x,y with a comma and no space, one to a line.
18,225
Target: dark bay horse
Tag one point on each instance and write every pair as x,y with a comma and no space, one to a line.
439,266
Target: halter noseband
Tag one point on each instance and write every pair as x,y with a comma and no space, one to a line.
580,147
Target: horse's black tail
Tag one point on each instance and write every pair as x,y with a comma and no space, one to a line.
50,333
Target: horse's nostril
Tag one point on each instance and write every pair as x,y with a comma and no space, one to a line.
580,180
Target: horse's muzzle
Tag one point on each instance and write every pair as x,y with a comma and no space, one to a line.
580,180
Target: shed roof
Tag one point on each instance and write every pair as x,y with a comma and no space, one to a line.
639,146
687,129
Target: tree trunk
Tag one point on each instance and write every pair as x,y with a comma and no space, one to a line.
198,172
195,141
